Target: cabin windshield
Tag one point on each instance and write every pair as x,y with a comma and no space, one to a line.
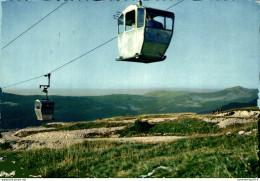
130,20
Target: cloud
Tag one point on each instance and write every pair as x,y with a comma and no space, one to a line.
258,2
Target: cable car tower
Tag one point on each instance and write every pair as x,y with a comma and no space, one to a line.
44,109
144,34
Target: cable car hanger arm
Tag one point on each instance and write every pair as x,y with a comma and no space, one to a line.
45,87
49,76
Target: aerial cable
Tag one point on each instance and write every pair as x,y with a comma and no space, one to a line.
63,64
83,54
33,25
174,4
78,56
23,81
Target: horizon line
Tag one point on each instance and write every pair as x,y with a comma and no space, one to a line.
109,91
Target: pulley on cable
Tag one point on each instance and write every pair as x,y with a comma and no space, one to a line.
44,109
144,34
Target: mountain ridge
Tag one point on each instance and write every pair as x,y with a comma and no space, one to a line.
18,112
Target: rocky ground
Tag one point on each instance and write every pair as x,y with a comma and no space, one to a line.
40,137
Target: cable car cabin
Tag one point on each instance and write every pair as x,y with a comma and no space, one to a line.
144,34
44,109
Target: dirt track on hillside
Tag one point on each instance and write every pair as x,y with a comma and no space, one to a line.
59,139
147,139
39,137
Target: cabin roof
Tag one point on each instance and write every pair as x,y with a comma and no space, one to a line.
149,10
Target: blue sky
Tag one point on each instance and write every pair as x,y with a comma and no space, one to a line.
215,45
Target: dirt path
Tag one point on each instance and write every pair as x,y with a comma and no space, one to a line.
53,139
149,139
60,139
39,137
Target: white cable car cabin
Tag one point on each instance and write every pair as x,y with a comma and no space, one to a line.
44,109
141,40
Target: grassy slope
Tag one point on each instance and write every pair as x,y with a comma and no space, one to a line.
197,156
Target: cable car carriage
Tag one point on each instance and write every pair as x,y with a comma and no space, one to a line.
144,34
44,109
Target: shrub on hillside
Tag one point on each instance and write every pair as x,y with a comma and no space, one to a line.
5,146
138,128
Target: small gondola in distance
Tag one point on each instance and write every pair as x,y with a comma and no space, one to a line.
44,109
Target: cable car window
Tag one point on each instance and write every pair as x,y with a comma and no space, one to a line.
140,18
130,20
37,105
47,106
168,23
159,21
121,24
154,21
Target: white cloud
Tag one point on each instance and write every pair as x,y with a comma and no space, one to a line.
258,2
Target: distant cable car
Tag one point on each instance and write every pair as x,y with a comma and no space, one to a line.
144,34
44,109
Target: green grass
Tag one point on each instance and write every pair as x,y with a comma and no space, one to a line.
246,109
212,157
139,127
145,116
13,164
200,155
187,126
74,126
89,125
83,125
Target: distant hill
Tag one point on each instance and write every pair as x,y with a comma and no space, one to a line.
18,112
